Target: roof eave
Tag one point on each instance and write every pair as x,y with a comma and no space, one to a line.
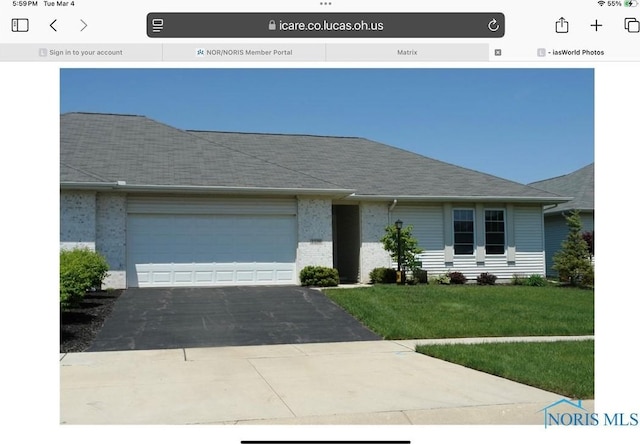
415,198
124,187
553,210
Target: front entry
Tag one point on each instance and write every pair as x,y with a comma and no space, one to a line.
346,242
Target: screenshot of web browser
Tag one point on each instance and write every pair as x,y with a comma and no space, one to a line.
230,152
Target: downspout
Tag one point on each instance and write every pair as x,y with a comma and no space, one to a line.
391,207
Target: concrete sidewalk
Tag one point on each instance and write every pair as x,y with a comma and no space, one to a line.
365,382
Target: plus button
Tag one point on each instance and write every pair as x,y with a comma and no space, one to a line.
596,25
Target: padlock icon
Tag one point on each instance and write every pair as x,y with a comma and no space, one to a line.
272,25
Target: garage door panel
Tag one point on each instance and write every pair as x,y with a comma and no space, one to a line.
175,250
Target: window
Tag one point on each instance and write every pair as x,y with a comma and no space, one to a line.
494,231
463,231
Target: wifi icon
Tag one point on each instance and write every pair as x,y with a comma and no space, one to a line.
601,2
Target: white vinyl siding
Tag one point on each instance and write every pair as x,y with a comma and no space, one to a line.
428,229
523,233
529,233
200,242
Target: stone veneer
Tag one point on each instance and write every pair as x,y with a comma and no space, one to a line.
315,238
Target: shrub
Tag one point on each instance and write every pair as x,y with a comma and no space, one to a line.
420,276
382,275
80,270
410,248
318,276
535,280
457,278
486,279
442,279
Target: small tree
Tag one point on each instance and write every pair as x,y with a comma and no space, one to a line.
410,247
572,261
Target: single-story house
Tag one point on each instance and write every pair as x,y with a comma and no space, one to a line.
579,185
169,207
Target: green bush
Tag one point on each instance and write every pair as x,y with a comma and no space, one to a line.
486,279
318,276
442,279
535,280
80,270
382,275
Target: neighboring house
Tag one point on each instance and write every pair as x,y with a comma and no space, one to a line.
580,186
169,207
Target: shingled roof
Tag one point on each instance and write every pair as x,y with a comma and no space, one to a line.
579,185
103,149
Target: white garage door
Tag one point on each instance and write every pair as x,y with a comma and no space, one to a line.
231,242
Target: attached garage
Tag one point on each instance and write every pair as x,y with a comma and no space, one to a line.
177,241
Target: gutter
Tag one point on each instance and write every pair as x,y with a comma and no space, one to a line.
547,200
123,186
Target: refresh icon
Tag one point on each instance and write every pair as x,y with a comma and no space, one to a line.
493,25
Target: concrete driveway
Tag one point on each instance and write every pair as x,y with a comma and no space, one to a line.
170,318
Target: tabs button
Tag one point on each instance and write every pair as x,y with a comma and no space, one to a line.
632,25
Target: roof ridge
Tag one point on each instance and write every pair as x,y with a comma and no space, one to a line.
274,134
563,175
104,114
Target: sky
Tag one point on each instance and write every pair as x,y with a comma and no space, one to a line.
523,125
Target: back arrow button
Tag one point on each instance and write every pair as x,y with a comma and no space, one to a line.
51,25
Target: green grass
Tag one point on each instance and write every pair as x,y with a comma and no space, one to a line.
565,367
439,311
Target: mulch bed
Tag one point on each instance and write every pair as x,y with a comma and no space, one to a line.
79,326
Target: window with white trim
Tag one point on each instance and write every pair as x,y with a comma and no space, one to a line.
463,234
494,230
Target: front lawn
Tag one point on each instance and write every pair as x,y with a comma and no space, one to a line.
457,311
566,368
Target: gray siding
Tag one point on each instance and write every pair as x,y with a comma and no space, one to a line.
556,231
